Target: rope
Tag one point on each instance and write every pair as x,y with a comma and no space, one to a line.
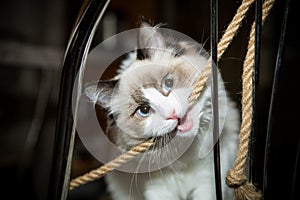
222,46
113,164
235,177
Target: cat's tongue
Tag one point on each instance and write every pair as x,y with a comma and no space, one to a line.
186,124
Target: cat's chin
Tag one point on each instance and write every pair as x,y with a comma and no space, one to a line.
163,140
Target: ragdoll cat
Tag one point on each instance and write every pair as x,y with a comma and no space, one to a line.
149,98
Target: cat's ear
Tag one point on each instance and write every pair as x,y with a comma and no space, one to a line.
149,40
101,92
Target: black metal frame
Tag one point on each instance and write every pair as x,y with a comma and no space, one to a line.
75,58
214,58
252,149
273,100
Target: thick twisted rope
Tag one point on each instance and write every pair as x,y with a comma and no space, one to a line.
235,177
225,41
113,164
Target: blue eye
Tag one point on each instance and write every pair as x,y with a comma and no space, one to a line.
167,83
143,111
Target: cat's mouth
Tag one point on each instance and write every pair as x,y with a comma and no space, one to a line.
185,124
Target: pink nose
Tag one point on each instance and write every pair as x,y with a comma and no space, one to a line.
173,116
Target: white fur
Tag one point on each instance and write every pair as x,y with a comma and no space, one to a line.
190,177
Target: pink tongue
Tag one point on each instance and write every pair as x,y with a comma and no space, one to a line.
185,125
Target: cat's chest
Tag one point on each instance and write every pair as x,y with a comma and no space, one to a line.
183,177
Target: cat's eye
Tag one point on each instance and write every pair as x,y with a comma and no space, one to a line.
167,84
143,111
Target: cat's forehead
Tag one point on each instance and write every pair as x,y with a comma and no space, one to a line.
159,68
142,75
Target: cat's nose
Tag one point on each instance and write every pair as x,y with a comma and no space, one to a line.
173,116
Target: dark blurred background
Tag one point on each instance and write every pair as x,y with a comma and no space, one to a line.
33,39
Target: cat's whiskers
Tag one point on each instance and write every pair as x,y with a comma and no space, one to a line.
162,150
173,148
158,162
155,154
135,177
152,154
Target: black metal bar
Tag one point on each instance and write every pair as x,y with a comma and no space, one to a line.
253,135
75,58
296,173
273,100
215,101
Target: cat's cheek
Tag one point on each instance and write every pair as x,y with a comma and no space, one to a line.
148,127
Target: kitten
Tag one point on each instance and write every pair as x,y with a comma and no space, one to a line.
149,98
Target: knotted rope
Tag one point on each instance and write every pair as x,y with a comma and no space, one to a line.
235,177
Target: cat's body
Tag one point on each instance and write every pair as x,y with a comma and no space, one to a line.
150,98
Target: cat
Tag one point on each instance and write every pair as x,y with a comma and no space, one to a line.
149,98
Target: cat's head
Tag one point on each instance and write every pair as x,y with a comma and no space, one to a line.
149,97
